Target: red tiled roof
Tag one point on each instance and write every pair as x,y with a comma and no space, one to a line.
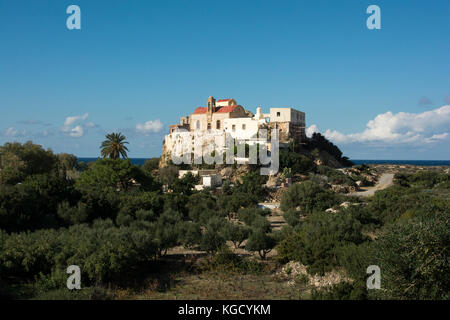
200,110
217,109
223,100
226,109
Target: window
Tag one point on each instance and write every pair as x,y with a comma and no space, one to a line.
243,127
209,125
278,114
233,127
218,124
197,125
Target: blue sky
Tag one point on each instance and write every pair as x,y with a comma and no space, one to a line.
378,94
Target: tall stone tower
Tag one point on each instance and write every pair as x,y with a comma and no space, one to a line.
210,105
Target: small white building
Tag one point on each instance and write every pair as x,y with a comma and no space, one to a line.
212,181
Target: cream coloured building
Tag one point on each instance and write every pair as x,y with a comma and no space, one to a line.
225,116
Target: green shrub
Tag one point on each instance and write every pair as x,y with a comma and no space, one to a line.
292,217
225,260
290,248
236,233
309,196
190,234
414,258
213,238
260,241
249,215
335,176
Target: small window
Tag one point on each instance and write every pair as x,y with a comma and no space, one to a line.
278,114
197,125
233,127
218,124
243,127
209,125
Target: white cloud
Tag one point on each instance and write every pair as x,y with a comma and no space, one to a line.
311,129
150,126
12,132
400,128
74,119
75,126
76,132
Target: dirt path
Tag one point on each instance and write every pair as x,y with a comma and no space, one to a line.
386,180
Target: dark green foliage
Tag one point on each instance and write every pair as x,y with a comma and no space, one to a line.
335,176
190,234
252,186
114,146
18,161
213,238
320,237
185,184
112,174
248,215
168,175
177,202
226,261
201,207
290,248
231,203
102,251
292,217
401,179
397,202
298,163
67,162
72,214
367,217
166,231
150,165
323,233
423,179
309,196
149,204
33,203
414,258
321,143
235,233
260,241
356,258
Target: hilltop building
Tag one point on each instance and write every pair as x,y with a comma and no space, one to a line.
226,116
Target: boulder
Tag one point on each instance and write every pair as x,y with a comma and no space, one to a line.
272,182
226,172
339,188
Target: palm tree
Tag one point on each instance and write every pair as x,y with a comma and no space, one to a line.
114,146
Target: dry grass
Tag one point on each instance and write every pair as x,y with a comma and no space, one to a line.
213,285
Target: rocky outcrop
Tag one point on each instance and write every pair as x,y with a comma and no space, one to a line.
273,182
294,271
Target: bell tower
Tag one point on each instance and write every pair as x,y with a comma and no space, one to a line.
210,105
